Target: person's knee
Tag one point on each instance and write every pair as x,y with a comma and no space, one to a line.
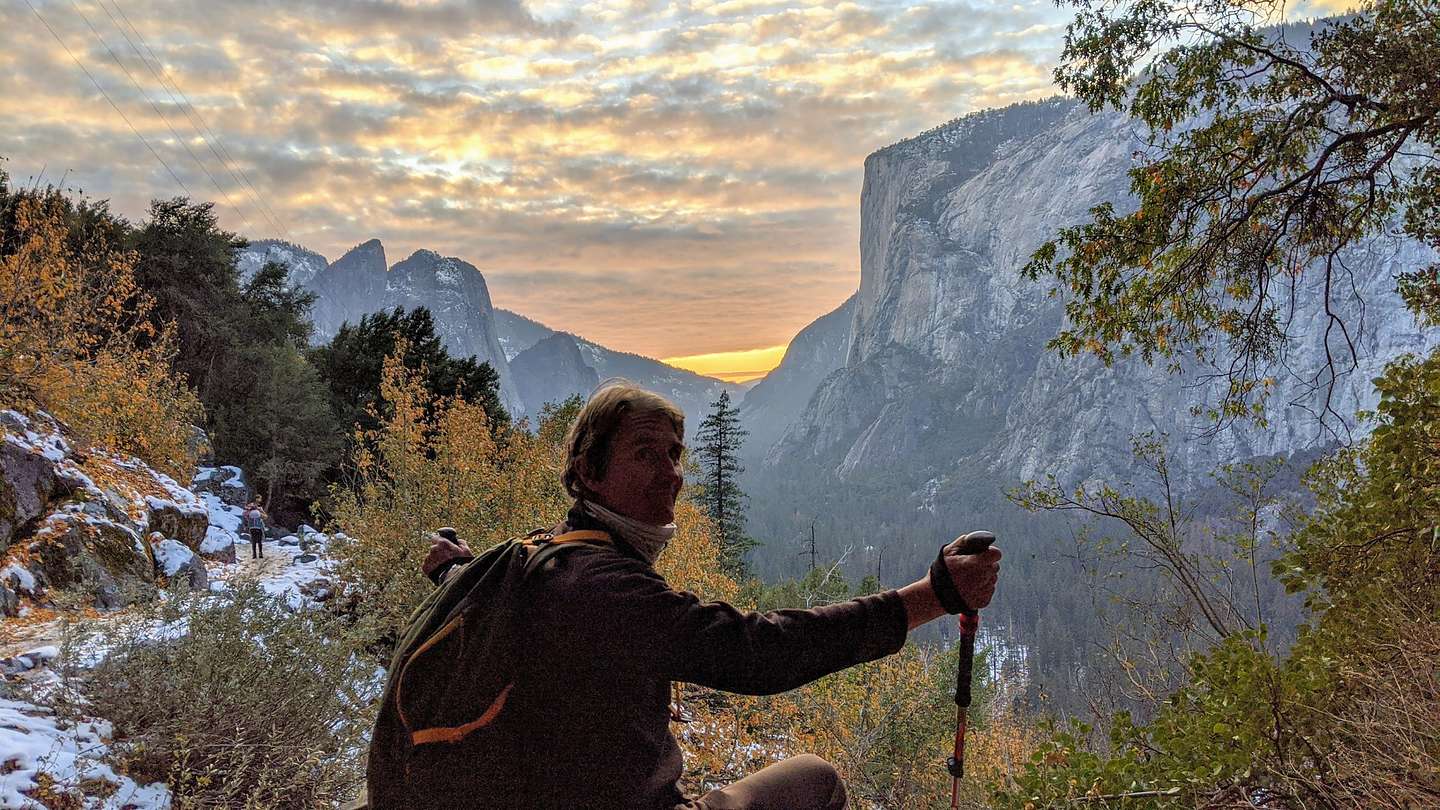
826,779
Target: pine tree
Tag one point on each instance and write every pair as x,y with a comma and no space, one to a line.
720,438
350,364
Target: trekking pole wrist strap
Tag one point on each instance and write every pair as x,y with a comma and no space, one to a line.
944,587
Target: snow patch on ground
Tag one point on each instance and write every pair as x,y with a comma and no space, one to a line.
33,741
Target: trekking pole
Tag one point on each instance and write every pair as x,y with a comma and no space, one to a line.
969,620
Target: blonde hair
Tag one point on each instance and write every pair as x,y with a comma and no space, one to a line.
594,427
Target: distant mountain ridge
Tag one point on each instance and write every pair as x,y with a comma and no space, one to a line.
361,282
694,393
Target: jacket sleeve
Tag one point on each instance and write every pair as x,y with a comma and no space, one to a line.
680,637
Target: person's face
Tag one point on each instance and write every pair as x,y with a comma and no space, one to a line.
643,477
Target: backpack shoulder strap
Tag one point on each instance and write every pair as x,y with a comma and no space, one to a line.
550,545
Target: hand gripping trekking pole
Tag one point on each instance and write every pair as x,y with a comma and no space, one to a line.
969,619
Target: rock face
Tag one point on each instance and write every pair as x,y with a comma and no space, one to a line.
303,265
349,287
946,375
552,371
456,294
775,402
692,392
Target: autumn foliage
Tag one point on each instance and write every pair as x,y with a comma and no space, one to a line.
73,336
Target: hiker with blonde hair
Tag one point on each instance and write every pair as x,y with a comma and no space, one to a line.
580,715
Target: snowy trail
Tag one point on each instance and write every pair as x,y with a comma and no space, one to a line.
47,630
38,749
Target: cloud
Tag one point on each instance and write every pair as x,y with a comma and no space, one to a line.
697,161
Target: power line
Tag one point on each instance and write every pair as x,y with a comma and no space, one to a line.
191,109
123,116
156,108
196,119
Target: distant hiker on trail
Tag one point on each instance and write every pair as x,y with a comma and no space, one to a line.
253,520
570,706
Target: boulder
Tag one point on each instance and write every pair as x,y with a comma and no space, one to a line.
9,601
219,544
179,562
187,525
27,484
94,556
226,483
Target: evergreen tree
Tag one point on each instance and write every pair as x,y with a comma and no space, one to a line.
352,363
720,438
240,347
186,263
277,421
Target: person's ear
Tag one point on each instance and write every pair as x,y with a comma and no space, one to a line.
586,473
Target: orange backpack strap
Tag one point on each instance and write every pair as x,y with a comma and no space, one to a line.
582,536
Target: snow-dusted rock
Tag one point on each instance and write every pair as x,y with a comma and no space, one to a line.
301,265
26,661
78,520
226,483
104,557
176,560
28,480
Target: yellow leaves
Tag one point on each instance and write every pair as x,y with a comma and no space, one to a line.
435,461
73,341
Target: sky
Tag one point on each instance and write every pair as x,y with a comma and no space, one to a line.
676,180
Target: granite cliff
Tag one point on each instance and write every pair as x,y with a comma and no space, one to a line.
946,379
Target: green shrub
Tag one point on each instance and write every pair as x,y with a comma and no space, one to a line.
234,701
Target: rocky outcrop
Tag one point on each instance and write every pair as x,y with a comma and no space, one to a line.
456,294
99,557
552,371
302,265
179,563
947,376
349,287
80,520
27,477
227,484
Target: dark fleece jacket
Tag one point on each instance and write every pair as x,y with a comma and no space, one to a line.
588,726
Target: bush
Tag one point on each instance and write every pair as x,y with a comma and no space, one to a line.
73,335
234,702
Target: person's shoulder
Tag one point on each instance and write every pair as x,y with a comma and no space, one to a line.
586,565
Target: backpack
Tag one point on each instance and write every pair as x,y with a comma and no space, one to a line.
453,667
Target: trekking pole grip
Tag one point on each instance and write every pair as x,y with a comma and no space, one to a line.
969,620
449,534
